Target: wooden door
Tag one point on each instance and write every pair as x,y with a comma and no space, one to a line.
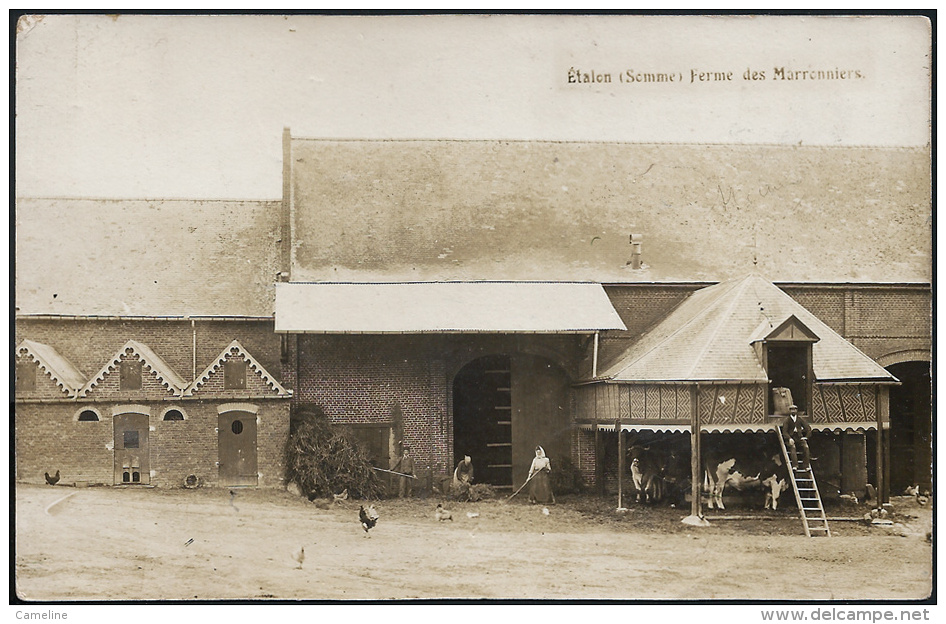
132,465
236,449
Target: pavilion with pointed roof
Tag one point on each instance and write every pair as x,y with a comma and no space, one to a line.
721,362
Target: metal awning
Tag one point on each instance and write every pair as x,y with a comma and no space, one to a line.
444,307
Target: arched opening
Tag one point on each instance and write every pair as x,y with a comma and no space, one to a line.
910,427
482,418
88,416
503,407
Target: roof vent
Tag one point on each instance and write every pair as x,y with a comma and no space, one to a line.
635,261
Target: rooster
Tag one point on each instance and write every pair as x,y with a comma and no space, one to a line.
340,498
52,480
368,517
442,514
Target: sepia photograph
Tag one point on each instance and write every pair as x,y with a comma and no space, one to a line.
551,309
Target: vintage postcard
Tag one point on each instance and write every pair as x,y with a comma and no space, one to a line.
398,309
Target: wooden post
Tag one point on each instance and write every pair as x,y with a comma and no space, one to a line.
696,504
879,450
599,465
617,427
884,441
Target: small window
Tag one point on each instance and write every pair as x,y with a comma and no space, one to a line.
130,375
234,374
88,416
173,415
130,439
25,376
237,427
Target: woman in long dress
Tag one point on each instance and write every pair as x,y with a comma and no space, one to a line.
540,491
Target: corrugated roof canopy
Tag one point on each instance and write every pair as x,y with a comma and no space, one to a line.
489,307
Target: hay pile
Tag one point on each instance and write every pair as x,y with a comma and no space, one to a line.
324,459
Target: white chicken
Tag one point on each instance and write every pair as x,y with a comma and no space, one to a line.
442,514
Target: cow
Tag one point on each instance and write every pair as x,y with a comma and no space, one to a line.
646,474
744,464
659,472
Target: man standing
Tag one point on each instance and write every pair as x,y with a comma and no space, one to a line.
795,431
405,465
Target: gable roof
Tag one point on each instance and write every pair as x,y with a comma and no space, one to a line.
61,370
162,371
235,348
130,257
456,210
709,337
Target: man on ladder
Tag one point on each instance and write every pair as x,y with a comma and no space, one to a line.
795,431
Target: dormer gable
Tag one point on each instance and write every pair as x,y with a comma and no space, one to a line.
43,372
135,369
789,330
235,372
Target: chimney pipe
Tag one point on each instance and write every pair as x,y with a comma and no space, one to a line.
635,251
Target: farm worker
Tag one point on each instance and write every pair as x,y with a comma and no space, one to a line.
405,465
795,431
540,491
463,475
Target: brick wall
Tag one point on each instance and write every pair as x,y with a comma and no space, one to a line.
584,455
879,320
215,384
109,388
45,388
183,447
90,344
48,438
368,379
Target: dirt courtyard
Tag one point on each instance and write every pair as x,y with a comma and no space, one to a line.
100,543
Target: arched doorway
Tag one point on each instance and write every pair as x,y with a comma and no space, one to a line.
910,426
482,418
503,407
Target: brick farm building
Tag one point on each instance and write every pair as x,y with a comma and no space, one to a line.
481,298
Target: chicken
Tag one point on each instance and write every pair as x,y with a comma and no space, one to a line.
339,498
368,517
52,480
442,514
299,556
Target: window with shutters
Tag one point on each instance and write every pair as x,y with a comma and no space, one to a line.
234,374
130,375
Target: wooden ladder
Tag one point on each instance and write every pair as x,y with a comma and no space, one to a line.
806,495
